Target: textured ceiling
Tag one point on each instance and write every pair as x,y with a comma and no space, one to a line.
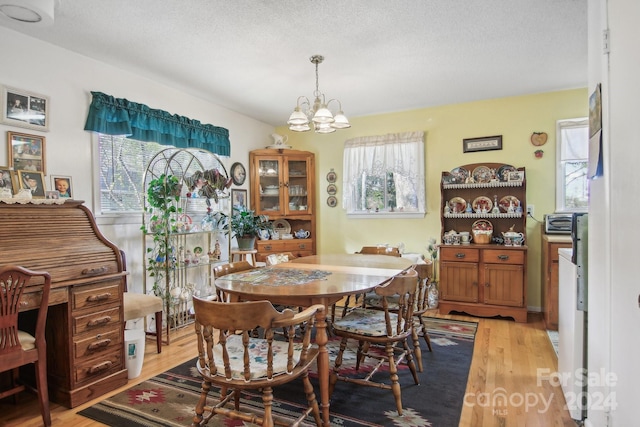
252,56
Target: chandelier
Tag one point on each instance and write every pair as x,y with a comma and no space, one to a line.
318,113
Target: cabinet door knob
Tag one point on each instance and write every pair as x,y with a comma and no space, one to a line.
460,255
487,285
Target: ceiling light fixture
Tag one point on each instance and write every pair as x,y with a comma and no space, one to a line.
37,12
318,113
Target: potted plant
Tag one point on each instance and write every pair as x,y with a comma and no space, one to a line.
245,226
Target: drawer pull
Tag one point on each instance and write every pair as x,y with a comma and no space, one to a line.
99,297
94,271
460,255
267,247
503,257
99,344
99,321
104,366
302,246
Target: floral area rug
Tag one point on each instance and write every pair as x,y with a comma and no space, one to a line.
169,398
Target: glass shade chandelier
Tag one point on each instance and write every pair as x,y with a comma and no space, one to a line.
318,113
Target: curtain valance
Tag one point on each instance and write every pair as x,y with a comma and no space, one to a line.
118,116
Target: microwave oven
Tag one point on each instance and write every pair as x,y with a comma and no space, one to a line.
558,223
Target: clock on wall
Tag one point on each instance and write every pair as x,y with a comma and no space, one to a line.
238,173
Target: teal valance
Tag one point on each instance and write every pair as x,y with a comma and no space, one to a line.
118,116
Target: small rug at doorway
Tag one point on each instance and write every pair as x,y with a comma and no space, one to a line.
169,399
555,340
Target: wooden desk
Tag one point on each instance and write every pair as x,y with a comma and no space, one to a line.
350,274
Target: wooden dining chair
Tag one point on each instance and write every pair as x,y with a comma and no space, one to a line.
389,328
20,347
224,269
420,306
380,250
230,357
138,305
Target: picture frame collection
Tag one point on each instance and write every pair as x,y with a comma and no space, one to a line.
26,152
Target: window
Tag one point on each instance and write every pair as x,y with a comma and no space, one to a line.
572,189
122,164
384,175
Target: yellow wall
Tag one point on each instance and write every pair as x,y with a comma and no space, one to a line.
514,118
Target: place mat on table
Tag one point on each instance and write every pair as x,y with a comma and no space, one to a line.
278,276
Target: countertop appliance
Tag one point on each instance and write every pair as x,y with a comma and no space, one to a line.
573,318
558,223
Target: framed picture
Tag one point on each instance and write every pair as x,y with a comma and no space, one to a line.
7,180
25,109
33,181
239,198
26,152
62,184
515,176
486,143
52,194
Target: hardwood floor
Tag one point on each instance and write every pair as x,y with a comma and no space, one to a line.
506,385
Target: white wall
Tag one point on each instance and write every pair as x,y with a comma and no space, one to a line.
614,315
67,79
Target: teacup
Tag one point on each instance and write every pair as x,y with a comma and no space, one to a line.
465,237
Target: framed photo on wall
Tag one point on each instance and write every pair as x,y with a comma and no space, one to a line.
25,109
33,181
26,152
63,185
7,180
239,199
486,143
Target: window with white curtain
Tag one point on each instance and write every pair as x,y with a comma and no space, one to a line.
572,189
384,175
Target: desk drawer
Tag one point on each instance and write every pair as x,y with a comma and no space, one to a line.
96,322
503,256
90,346
96,295
32,300
98,367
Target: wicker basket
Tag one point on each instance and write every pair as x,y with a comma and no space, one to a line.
481,238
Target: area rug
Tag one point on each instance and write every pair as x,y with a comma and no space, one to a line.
169,398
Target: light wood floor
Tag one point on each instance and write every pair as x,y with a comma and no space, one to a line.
506,384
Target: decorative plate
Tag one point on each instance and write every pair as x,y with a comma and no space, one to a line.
332,189
332,201
482,174
503,172
460,175
282,226
331,176
482,204
482,225
457,205
506,201
238,173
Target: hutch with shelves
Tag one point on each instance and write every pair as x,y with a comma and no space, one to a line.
283,187
180,254
488,278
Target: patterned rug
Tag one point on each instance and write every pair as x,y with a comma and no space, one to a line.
169,398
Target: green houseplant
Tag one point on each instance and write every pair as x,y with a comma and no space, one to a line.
163,207
245,226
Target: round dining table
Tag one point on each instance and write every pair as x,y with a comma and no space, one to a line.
317,279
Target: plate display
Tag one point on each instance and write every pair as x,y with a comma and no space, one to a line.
282,226
332,177
508,201
482,225
332,189
482,204
482,174
332,201
457,205
503,172
459,175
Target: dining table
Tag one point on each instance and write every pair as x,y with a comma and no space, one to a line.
317,279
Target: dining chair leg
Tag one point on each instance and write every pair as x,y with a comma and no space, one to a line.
416,347
425,334
43,392
393,375
311,399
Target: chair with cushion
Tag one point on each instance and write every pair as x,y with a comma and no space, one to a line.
380,250
20,347
141,305
230,357
420,306
373,328
232,267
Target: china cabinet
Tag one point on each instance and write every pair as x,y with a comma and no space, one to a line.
283,188
485,277
182,242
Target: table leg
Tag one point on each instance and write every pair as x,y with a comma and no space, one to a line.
323,364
